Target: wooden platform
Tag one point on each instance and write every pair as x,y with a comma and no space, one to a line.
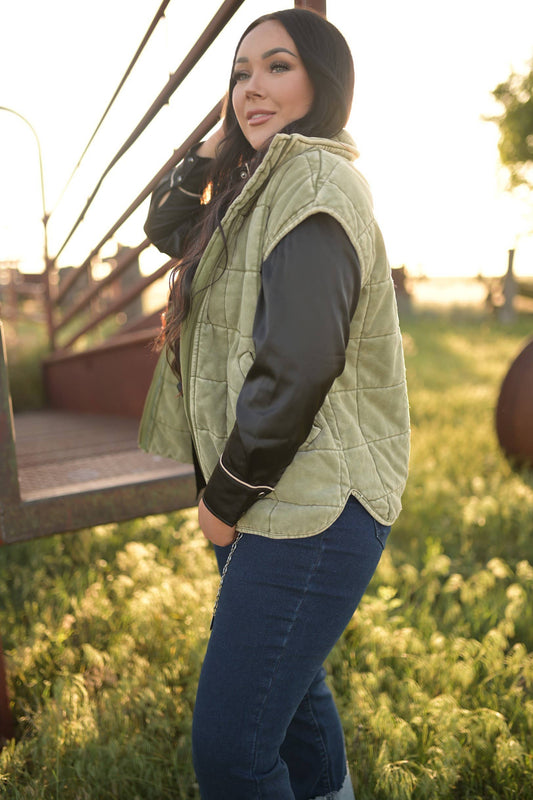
62,470
75,470
61,452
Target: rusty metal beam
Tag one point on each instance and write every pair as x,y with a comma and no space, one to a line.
148,321
118,305
199,132
160,13
513,410
38,518
112,378
120,267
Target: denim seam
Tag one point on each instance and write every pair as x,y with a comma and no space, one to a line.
320,739
312,571
377,533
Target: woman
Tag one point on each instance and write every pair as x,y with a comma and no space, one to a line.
283,331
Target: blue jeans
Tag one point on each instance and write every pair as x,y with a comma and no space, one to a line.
265,725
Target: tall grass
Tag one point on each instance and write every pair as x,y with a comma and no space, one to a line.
26,345
105,628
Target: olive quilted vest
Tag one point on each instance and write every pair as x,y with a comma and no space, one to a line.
359,441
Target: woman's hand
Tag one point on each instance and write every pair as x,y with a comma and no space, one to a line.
208,149
213,528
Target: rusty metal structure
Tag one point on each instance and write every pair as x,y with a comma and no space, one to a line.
514,410
76,464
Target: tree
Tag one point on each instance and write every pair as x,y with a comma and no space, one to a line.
516,126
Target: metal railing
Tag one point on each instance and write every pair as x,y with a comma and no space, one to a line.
73,314
71,321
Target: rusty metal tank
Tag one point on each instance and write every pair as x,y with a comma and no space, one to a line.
514,411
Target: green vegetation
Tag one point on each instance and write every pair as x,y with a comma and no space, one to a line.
105,629
516,126
26,344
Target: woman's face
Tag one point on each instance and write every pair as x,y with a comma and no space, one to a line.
272,86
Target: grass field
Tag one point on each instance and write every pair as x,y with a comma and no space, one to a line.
105,628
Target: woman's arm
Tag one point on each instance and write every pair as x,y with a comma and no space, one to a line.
176,201
310,289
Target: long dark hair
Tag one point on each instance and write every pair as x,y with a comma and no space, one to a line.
327,59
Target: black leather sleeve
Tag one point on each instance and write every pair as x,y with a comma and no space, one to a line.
168,225
310,289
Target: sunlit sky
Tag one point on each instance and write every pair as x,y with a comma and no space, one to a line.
424,75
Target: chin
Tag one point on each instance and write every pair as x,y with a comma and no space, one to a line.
257,142
257,138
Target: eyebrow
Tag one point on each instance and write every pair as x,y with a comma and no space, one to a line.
268,54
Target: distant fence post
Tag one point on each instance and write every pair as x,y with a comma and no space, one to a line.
507,311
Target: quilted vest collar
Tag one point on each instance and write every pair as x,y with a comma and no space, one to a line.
282,148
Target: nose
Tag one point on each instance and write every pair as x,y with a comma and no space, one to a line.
254,87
